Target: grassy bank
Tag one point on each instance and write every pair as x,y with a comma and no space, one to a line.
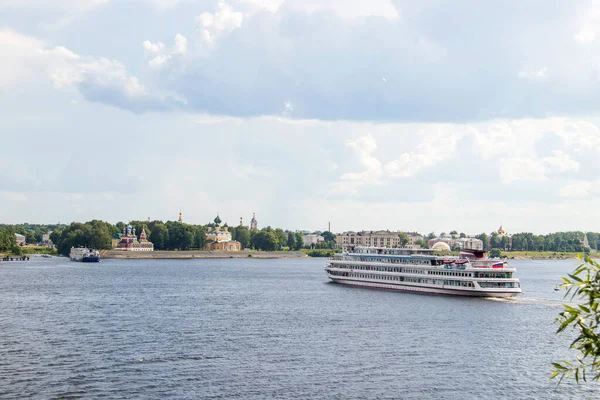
28,250
38,250
320,252
544,255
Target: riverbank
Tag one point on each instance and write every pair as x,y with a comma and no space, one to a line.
175,255
544,255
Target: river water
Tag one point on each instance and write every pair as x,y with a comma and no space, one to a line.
258,329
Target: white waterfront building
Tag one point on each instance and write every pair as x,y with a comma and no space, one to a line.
312,239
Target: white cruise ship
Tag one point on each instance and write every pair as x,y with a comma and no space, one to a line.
84,254
419,270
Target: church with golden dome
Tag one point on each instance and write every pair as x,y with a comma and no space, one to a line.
501,232
219,238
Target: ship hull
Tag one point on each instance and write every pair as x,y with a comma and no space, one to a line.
90,259
424,289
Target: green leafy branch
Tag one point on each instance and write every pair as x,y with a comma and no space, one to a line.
582,285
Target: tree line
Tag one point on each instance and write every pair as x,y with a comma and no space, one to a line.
557,242
172,235
32,232
8,242
571,241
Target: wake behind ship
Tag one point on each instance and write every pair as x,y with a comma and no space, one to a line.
84,254
419,270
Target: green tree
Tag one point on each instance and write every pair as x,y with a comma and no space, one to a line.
242,235
291,240
180,236
495,241
265,240
55,236
421,242
328,236
583,284
159,236
95,234
484,238
299,241
199,237
281,238
505,243
404,239
17,250
495,252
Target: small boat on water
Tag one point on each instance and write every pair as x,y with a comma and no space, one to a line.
84,254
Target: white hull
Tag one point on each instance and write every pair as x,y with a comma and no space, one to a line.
429,289
83,254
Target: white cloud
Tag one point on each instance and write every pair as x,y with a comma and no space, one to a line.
364,148
344,8
436,145
212,26
580,189
159,55
520,169
20,61
586,34
506,149
153,48
561,161
77,5
588,22
534,74
30,60
181,44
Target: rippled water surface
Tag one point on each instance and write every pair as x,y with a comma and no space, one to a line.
256,329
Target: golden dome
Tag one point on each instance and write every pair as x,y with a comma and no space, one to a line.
442,246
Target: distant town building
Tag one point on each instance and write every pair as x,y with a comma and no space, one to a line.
585,243
461,243
469,243
219,238
130,242
368,238
312,239
253,223
414,237
20,239
46,238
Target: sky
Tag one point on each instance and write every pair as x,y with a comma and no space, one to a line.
389,114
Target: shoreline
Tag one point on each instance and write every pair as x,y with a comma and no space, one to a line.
197,254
